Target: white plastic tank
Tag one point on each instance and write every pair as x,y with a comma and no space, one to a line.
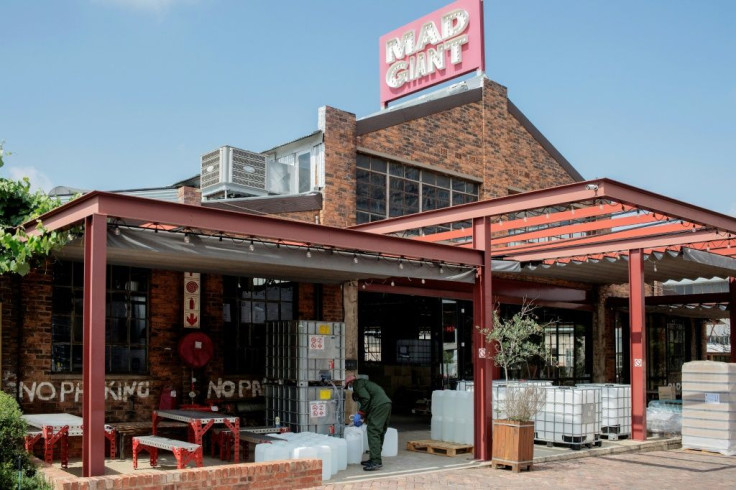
261,452
448,419
354,440
303,452
437,415
325,454
364,430
390,443
340,446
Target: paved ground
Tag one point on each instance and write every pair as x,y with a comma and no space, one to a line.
658,469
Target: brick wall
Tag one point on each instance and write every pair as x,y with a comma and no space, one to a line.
340,157
480,139
302,473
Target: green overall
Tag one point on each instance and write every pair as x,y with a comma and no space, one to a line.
376,407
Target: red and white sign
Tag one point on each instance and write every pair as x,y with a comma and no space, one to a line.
316,342
442,45
317,410
191,299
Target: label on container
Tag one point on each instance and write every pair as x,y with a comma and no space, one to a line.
712,398
317,410
325,394
324,329
316,342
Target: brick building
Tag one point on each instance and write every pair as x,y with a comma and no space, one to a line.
460,145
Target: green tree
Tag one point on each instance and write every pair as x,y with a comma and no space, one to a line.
18,250
516,341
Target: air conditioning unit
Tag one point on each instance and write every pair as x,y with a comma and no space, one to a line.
231,172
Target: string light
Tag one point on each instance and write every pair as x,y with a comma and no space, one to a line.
392,284
251,247
309,253
423,281
355,259
187,239
401,265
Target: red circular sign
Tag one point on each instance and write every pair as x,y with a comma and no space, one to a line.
195,349
192,287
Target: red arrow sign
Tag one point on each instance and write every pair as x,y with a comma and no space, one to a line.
192,319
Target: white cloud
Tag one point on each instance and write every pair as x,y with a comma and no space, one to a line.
39,180
154,6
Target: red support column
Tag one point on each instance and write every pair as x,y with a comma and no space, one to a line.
93,361
638,346
732,315
483,372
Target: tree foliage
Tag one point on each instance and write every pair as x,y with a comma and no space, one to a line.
515,341
16,468
18,205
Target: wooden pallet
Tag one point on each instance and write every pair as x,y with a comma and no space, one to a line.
515,467
439,447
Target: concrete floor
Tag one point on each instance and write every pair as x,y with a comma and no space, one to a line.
406,462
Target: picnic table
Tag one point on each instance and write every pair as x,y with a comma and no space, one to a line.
58,427
199,423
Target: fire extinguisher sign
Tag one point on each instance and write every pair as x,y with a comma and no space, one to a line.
191,299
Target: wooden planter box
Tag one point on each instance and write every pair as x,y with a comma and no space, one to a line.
513,444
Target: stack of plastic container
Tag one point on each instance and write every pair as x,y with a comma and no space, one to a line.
305,351
571,416
452,416
615,409
332,451
499,393
305,408
305,368
709,406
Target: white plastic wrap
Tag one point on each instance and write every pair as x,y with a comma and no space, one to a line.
664,419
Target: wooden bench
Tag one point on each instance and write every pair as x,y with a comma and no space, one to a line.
183,451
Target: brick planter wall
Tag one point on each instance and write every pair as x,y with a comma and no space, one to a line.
302,473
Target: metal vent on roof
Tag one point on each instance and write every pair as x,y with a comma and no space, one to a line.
232,172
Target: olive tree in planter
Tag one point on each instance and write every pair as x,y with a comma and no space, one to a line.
516,341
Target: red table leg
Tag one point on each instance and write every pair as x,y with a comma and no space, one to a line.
235,429
50,440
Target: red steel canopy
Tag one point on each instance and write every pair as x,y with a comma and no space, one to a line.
599,231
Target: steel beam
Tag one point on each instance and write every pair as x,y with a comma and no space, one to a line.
571,250
638,346
483,372
732,314
93,359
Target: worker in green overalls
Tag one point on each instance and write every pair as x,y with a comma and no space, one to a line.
374,406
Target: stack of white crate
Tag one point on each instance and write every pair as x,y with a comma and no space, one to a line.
615,409
571,416
709,406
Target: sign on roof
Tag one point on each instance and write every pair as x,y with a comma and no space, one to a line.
440,46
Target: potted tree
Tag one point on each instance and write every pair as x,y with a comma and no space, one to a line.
516,341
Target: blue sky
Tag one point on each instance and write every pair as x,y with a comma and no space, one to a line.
120,94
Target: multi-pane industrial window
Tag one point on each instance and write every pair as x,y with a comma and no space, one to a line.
372,344
126,319
247,305
386,189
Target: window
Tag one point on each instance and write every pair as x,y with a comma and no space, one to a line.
566,344
248,303
126,319
295,170
372,344
305,168
386,189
